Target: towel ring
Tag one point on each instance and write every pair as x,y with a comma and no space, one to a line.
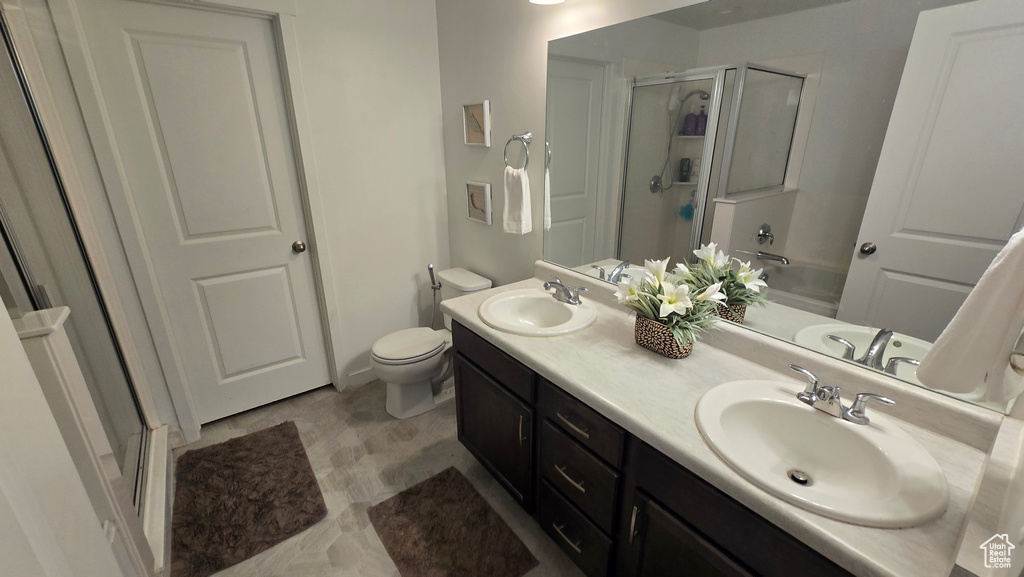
526,139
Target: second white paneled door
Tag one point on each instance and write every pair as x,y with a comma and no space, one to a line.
201,131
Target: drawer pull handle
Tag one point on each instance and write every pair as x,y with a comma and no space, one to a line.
575,545
581,431
521,437
577,484
632,525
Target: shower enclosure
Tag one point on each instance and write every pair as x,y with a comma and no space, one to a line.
695,136
43,265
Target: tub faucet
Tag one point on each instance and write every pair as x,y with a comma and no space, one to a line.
762,255
563,293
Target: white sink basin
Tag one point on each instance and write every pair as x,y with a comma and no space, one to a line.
816,338
535,313
874,475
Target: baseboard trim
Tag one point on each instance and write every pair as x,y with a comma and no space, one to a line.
155,497
361,377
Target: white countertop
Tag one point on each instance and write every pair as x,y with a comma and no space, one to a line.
654,398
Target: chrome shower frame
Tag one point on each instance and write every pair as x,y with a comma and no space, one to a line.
717,76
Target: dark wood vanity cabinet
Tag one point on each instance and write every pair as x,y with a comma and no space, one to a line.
676,524
615,505
496,425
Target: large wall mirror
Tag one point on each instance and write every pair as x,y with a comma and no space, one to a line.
759,125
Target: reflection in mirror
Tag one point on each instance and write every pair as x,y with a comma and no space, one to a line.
790,134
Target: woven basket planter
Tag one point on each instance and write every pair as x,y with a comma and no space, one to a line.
733,313
657,337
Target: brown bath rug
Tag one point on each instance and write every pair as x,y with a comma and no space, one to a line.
240,497
442,527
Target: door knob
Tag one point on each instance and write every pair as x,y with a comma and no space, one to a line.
868,248
298,246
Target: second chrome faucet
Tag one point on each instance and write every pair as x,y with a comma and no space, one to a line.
826,399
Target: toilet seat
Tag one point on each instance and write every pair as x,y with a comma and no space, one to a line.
408,346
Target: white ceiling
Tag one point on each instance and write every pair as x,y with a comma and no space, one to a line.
716,13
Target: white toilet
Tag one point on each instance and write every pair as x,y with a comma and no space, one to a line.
417,363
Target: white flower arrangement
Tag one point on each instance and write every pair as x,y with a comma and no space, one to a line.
670,298
741,284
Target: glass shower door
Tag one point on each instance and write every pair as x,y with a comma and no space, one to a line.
672,127
43,265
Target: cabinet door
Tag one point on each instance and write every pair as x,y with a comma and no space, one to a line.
497,428
663,546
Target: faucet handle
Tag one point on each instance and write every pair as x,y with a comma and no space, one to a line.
894,362
850,347
600,271
808,395
855,414
576,294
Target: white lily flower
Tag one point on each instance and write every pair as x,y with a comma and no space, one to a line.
744,266
751,279
712,293
682,271
710,254
627,292
656,270
675,300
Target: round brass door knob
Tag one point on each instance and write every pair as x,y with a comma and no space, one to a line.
298,246
868,248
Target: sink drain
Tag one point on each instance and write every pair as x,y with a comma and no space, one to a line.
799,477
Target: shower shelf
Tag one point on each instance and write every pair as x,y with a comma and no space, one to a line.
689,137
688,183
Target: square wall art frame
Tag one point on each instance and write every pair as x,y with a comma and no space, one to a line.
476,124
478,201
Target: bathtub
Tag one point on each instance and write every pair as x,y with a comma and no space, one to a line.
808,287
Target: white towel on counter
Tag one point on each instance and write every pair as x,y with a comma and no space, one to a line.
974,350
547,198
516,216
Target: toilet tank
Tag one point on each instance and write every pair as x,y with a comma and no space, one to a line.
456,282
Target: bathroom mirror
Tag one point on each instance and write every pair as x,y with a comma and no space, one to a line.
759,125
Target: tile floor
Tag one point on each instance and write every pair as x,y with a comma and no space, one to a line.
362,456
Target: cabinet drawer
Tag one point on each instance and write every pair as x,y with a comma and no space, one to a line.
497,428
581,477
581,540
495,362
582,423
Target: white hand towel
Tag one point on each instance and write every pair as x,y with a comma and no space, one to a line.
547,198
516,215
974,350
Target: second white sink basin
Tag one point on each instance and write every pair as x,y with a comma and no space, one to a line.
874,475
535,313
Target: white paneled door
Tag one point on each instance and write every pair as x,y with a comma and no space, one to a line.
575,101
197,111
949,188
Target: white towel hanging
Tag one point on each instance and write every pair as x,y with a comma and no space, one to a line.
974,350
516,216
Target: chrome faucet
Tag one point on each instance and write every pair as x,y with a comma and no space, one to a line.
876,350
563,293
762,255
826,399
616,275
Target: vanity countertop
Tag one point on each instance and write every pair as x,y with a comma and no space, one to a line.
654,398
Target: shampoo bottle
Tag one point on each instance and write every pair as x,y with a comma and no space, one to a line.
702,122
690,124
